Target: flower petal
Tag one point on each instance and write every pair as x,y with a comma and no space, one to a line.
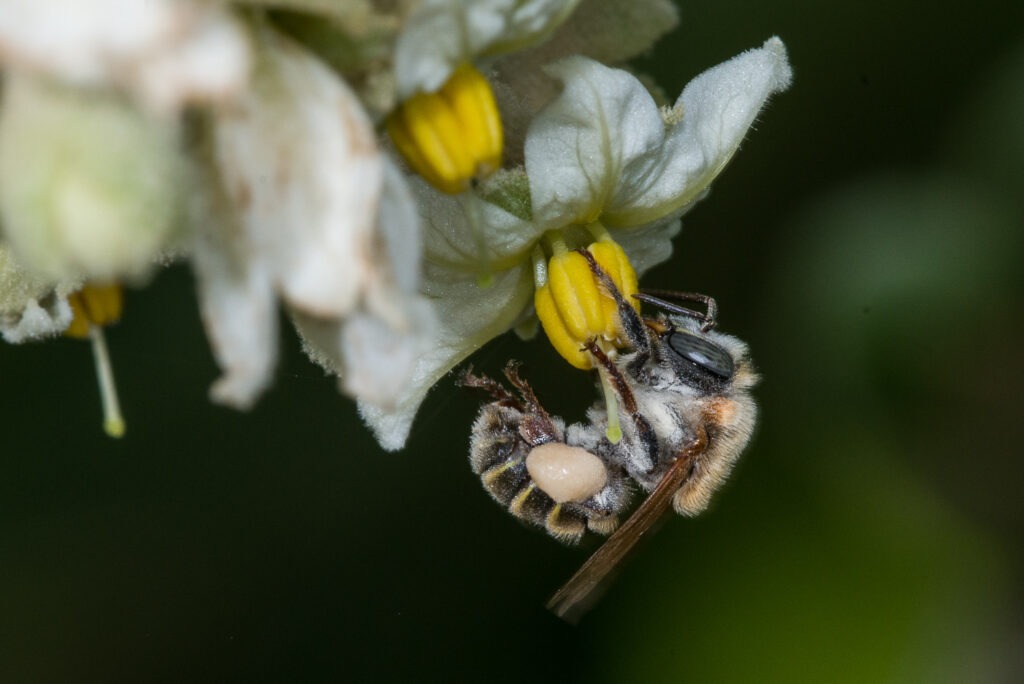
239,310
300,160
441,34
579,145
648,246
469,316
79,41
374,350
36,321
609,31
717,109
167,52
208,63
465,233
374,362
31,307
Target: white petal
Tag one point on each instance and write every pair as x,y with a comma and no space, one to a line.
209,63
441,34
77,41
374,350
469,316
399,242
609,31
299,156
717,109
168,52
239,311
380,361
466,233
579,145
374,362
31,307
34,322
648,245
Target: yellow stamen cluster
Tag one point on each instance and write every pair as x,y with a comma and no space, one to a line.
95,306
573,306
451,136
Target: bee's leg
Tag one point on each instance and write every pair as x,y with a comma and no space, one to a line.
632,323
529,398
661,299
536,426
490,386
628,401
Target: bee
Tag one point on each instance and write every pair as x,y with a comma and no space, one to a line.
684,391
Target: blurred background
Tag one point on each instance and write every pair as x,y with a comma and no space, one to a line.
867,242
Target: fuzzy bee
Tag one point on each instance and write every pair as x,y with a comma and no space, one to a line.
684,393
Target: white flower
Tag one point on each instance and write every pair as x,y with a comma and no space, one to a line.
601,152
301,219
439,35
166,52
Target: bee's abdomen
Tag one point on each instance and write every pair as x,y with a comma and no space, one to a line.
494,440
498,455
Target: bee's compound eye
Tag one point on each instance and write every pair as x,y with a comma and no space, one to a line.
706,355
566,473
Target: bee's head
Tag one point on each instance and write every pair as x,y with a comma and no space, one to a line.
710,362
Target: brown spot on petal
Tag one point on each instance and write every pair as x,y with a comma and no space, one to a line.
363,143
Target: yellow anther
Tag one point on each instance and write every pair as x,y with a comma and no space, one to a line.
451,136
574,308
93,307
616,264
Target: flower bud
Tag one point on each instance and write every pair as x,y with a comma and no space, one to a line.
89,185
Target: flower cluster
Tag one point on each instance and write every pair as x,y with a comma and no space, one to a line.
404,180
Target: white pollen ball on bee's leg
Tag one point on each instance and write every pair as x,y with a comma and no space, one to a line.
566,473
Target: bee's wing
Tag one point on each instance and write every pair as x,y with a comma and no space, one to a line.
583,589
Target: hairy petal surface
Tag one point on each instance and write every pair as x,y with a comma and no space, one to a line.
716,110
602,151
31,307
441,34
465,232
647,246
374,350
461,236
609,31
579,146
300,162
469,316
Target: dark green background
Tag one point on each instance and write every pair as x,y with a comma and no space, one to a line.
867,242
